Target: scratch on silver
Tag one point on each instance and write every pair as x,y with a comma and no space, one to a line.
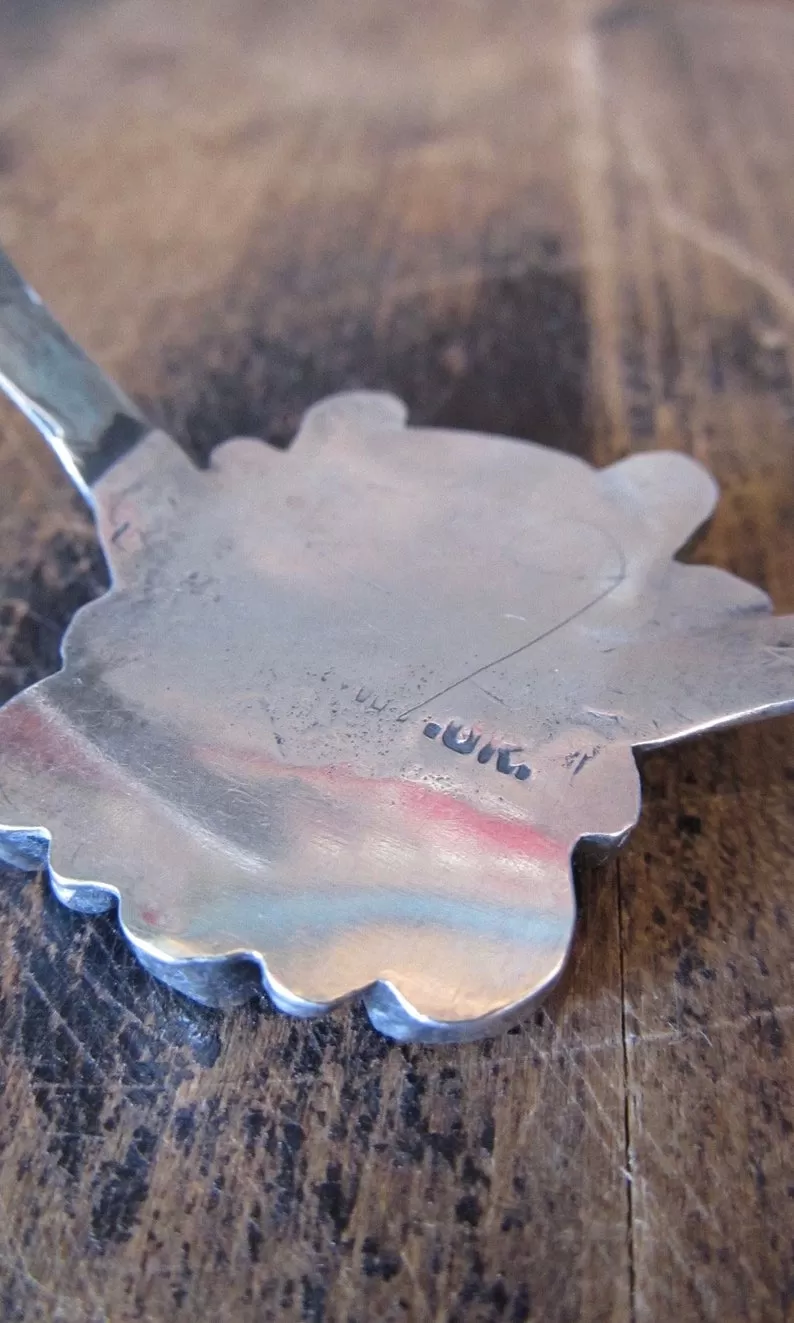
275,742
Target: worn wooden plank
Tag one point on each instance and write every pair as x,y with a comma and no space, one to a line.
565,222
701,192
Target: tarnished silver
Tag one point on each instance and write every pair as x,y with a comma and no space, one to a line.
87,420
346,710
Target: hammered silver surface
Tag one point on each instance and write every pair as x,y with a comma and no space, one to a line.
348,709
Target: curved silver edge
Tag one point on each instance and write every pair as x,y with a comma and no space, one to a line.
86,419
235,977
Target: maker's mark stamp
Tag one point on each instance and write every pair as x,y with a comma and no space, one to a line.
460,740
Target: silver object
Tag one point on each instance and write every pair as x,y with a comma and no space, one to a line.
346,711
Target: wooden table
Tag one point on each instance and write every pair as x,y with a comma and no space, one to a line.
553,219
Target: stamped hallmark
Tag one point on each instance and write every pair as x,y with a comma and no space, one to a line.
459,740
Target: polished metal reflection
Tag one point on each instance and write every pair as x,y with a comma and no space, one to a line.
348,709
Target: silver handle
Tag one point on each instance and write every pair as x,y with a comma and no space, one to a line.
81,413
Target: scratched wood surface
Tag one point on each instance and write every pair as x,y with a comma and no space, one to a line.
568,221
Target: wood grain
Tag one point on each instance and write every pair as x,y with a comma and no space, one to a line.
567,221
